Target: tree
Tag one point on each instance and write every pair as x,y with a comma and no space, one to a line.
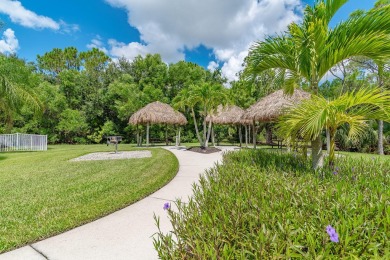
311,117
310,49
16,88
72,124
206,96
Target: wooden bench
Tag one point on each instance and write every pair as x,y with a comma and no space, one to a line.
161,140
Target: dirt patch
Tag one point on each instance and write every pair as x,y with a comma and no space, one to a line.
204,150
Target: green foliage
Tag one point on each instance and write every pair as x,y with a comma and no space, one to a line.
72,124
17,84
308,119
262,205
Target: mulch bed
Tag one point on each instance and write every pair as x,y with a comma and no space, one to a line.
204,150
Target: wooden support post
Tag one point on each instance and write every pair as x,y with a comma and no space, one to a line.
246,135
147,134
254,134
240,135
166,134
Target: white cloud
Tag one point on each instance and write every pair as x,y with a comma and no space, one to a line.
20,15
212,66
97,43
9,43
227,27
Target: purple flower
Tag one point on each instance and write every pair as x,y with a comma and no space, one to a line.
167,206
334,237
337,169
335,172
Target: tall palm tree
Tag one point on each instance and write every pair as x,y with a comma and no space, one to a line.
206,97
311,117
310,49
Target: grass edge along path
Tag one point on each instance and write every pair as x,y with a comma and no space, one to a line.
43,194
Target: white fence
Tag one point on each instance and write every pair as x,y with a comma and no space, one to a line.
23,142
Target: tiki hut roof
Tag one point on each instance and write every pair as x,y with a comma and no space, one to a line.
272,106
231,115
157,113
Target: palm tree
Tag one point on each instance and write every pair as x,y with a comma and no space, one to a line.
311,117
15,88
206,97
310,49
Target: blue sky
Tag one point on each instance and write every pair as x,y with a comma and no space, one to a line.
212,33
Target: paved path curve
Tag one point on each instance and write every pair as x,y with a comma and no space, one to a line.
127,233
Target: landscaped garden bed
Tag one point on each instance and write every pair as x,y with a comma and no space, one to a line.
262,205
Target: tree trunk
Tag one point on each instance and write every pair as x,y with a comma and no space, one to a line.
332,146
380,138
208,134
212,136
204,128
328,141
147,134
380,122
317,156
196,127
268,133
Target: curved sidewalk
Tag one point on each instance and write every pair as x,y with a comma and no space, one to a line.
127,233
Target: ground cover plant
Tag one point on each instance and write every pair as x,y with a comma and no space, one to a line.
263,205
43,194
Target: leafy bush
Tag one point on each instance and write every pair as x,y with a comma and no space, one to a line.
262,205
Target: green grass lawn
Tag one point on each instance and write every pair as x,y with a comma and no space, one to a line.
43,194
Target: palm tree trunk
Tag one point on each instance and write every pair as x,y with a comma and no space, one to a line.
212,136
332,147
380,138
204,128
316,150
208,134
196,127
380,122
328,141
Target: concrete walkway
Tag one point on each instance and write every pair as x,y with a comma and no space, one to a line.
127,233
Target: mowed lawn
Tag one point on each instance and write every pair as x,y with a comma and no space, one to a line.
43,194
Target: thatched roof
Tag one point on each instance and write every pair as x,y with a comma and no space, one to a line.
272,106
231,115
157,113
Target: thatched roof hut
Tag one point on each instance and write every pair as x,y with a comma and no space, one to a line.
272,106
157,113
230,115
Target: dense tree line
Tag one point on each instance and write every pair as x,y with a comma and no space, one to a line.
80,97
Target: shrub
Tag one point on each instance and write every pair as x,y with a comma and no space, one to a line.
261,205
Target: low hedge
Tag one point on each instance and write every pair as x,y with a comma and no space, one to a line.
260,205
